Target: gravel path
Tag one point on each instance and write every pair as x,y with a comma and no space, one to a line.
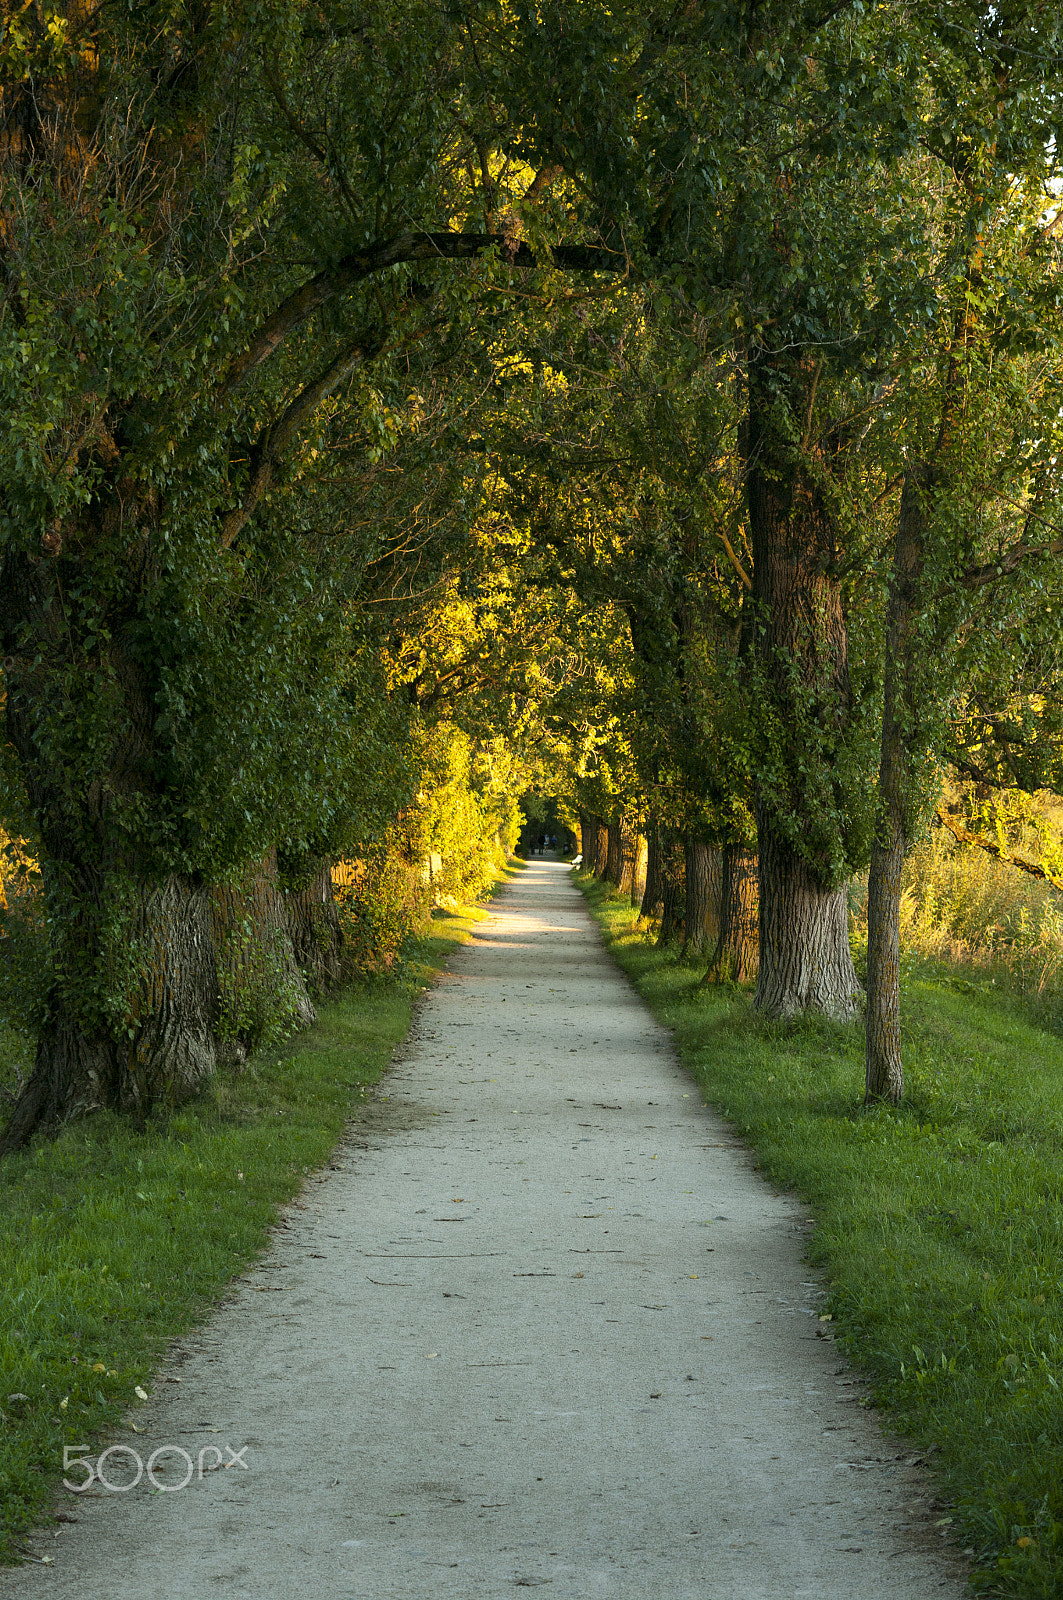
540,1325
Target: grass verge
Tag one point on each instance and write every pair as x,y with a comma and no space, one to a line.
113,1241
939,1225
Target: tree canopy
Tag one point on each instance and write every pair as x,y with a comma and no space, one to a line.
411,404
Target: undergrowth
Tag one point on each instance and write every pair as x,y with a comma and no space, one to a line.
114,1241
976,922
940,1225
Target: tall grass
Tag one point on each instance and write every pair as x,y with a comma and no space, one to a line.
980,921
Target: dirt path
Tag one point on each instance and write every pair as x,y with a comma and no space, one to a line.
541,1325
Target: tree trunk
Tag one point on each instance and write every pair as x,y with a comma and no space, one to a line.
629,844
614,852
590,844
601,848
585,831
653,894
638,871
715,899
905,672
735,958
673,886
128,1023
701,894
316,935
805,960
261,993
803,681
152,1044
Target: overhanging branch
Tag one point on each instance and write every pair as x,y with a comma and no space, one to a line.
993,848
1008,561
339,280
276,438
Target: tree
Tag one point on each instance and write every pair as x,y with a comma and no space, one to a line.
979,505
213,222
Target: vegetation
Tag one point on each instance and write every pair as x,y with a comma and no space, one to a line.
655,414
398,392
940,1225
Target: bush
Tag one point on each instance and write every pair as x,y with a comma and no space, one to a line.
382,899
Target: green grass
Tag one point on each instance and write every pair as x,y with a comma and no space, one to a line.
112,1242
939,1225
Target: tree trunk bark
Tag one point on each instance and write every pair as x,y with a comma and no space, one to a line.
316,934
155,1046
638,872
805,960
700,896
128,1024
590,845
629,844
261,993
803,679
601,848
905,672
614,852
585,831
673,886
736,956
653,894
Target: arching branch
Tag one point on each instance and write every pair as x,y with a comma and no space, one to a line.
993,848
278,436
334,282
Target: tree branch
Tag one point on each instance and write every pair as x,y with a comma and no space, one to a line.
279,435
541,182
965,836
1006,563
339,280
